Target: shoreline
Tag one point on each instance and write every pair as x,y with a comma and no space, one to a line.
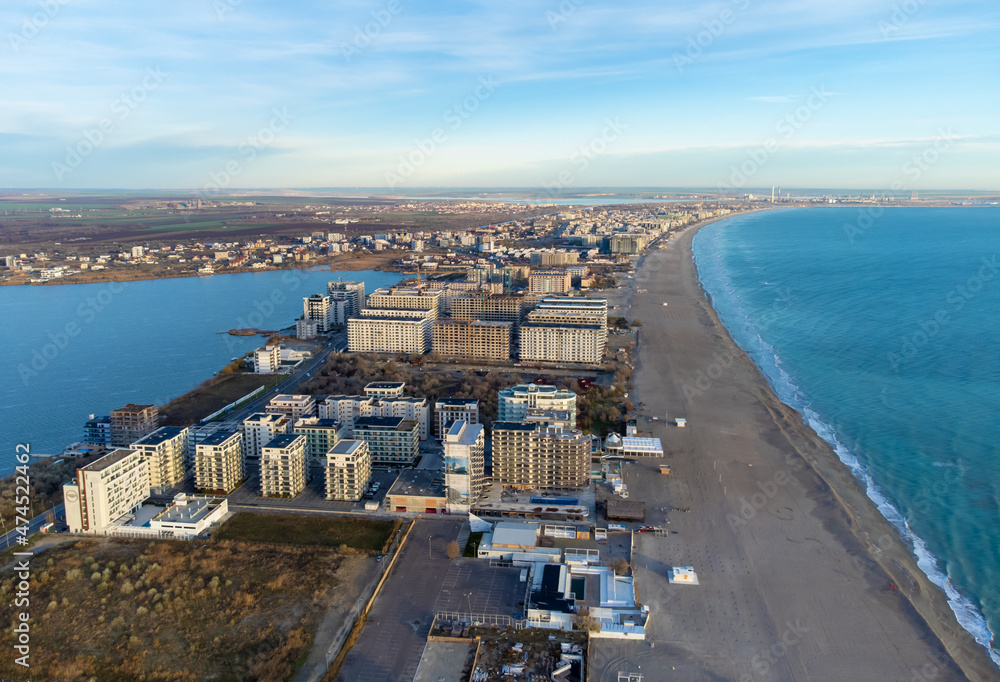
853,512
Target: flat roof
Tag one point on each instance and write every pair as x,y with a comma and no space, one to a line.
316,423
637,444
283,440
264,417
397,423
345,447
161,435
625,509
512,533
219,437
418,483
448,402
132,407
109,459
513,426
386,384
189,509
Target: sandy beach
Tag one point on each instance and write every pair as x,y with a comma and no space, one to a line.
801,578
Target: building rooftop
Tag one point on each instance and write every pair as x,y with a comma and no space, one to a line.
395,423
346,447
283,440
518,534
264,417
316,423
514,426
161,435
456,402
188,509
418,483
636,444
132,407
385,385
219,437
109,459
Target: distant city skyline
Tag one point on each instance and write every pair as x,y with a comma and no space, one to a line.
392,94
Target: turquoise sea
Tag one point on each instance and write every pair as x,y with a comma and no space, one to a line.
881,326
79,349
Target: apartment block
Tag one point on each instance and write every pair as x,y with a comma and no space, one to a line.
550,343
531,457
352,293
392,441
166,451
551,305
306,329
549,282
106,490
261,428
320,309
472,339
283,466
515,403
132,422
406,298
488,308
97,431
385,389
390,331
321,435
464,465
447,410
348,470
267,360
292,405
219,463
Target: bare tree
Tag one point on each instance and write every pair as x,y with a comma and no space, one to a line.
453,550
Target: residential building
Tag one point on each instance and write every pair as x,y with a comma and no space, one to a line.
390,331
550,257
283,466
97,431
106,490
488,308
219,465
261,428
549,307
166,452
630,244
306,329
348,470
352,293
267,360
516,402
321,435
464,465
447,410
472,339
132,422
322,310
406,298
392,441
293,405
385,389
550,343
532,457
549,282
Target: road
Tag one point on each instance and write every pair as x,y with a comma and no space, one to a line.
10,538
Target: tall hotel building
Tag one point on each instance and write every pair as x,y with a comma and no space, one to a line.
549,282
488,308
352,293
390,331
565,330
106,490
472,339
261,428
534,457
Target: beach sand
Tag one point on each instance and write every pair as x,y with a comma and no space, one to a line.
801,577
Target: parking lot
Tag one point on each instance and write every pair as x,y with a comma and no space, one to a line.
312,498
473,586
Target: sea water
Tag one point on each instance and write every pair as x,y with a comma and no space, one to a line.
881,326
79,349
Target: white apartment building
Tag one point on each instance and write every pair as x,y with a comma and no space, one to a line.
390,331
321,435
515,403
267,360
306,329
348,470
293,405
464,465
218,464
261,428
454,409
383,399
352,293
406,298
317,308
166,451
283,466
106,490
545,343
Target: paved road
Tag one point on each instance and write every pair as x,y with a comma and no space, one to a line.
393,638
10,538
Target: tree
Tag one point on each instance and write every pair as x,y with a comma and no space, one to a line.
619,565
584,621
453,550
636,323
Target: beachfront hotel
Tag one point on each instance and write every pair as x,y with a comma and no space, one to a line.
555,343
218,462
472,339
390,331
392,441
166,451
261,428
447,410
348,470
534,457
283,466
516,403
132,422
106,490
464,465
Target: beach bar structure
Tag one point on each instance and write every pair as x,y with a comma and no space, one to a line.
625,510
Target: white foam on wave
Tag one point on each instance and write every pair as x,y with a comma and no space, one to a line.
765,356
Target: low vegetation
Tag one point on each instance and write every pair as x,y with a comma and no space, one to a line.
46,477
224,388
347,534
115,609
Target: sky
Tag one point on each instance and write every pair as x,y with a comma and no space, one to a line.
215,95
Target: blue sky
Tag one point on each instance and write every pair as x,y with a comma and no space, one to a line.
577,93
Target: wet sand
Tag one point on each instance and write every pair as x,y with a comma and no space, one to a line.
801,577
